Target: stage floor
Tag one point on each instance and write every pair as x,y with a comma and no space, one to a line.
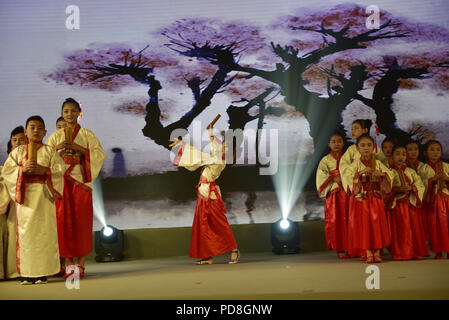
318,275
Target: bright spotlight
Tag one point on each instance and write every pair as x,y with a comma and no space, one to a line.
107,231
109,244
285,236
284,224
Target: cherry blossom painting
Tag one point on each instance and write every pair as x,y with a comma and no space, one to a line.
303,68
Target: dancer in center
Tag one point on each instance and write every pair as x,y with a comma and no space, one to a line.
368,228
211,233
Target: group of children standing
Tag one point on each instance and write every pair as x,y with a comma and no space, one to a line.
46,212
387,198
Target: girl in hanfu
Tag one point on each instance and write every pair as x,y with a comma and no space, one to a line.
435,176
81,150
211,232
368,227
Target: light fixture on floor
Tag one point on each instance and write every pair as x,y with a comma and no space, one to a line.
109,244
285,236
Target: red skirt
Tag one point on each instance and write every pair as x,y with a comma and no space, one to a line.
336,221
74,214
422,212
408,239
438,224
211,232
368,226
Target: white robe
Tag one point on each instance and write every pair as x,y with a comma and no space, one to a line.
4,201
86,172
349,157
417,193
37,238
191,158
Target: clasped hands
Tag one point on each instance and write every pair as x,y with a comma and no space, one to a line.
375,173
31,167
70,145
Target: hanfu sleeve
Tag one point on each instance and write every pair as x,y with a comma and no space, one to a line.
417,193
426,173
10,171
4,196
55,174
323,179
191,158
93,158
345,162
387,180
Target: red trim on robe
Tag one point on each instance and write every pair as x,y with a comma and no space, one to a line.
179,154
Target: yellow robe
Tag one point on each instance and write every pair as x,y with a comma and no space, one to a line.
355,185
349,156
191,158
426,172
86,139
324,179
4,201
416,195
37,239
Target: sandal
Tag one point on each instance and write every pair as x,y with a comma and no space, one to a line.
235,260
69,270
377,258
81,270
204,261
369,258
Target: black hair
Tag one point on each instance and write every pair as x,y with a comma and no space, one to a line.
365,135
60,119
398,146
71,100
17,130
36,118
428,143
389,139
413,142
9,148
364,123
337,133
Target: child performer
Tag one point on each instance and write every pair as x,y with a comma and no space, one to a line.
4,202
18,138
359,127
328,182
413,163
81,150
434,175
408,239
368,227
387,149
211,232
60,123
33,174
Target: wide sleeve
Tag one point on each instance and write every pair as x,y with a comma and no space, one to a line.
4,196
387,180
191,158
53,140
93,158
10,171
323,179
417,193
55,174
345,162
426,174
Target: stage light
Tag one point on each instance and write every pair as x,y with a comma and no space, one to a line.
107,231
109,244
284,224
285,236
